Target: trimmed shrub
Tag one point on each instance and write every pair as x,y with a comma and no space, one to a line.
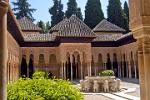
107,73
40,75
40,88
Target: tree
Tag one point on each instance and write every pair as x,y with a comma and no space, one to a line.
42,26
45,27
116,14
93,13
126,15
72,8
57,12
79,14
126,10
22,9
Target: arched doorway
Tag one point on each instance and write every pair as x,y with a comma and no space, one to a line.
72,66
100,62
23,66
41,60
31,66
115,64
108,64
53,69
68,67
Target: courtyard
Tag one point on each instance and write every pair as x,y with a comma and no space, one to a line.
72,46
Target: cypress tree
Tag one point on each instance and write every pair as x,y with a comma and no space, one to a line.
115,13
47,27
93,13
79,14
72,8
22,9
126,10
57,12
41,25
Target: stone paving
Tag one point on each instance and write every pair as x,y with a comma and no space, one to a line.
95,97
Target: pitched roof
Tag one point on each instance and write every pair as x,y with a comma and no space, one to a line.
106,26
27,24
59,26
73,27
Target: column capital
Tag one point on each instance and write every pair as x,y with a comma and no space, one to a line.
3,8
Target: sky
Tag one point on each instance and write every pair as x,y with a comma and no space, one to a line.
43,6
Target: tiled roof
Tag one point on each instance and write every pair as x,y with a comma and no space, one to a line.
73,27
38,37
106,26
59,26
27,24
107,37
125,35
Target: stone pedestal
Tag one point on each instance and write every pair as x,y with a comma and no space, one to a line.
3,50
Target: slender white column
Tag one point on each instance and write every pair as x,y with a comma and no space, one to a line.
65,71
71,71
135,66
62,70
81,70
71,60
129,69
90,69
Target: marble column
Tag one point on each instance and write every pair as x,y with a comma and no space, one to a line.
135,67
62,70
129,69
3,49
71,61
89,69
65,71
81,69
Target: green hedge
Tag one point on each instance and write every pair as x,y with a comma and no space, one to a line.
107,73
40,75
43,89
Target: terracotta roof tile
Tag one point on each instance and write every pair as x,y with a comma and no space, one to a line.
106,26
27,24
73,27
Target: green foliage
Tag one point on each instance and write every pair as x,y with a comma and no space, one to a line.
79,14
42,89
56,12
116,14
93,13
126,10
72,8
45,27
22,9
126,16
107,73
40,75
